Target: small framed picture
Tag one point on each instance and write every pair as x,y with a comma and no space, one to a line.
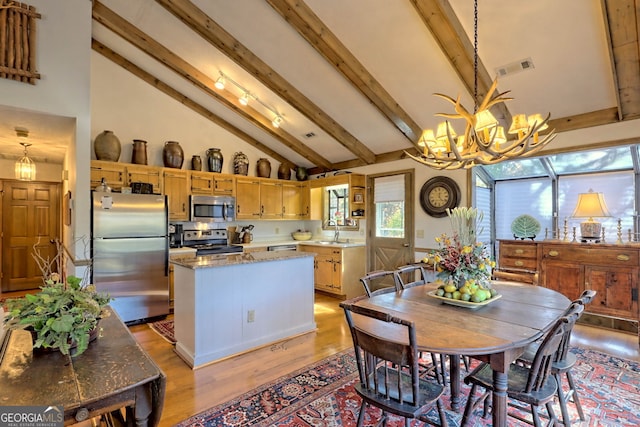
358,198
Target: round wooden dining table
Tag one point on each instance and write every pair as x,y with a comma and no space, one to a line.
496,333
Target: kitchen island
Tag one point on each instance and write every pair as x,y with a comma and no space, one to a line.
229,304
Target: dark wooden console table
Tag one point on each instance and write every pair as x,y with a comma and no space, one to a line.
114,373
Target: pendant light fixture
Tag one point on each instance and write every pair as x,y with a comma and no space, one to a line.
484,141
25,167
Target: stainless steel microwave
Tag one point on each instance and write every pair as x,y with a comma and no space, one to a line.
212,208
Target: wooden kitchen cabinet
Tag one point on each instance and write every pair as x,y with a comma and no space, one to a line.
295,200
271,199
264,198
248,198
146,174
224,185
114,174
338,270
211,183
176,187
201,182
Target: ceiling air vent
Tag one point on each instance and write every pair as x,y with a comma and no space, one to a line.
515,67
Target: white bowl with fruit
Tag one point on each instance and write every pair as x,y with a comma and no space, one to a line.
471,295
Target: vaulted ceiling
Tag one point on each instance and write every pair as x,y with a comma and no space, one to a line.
353,79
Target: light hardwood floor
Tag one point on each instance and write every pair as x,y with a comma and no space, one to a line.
192,391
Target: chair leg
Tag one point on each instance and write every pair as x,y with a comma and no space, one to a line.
535,416
562,401
363,408
472,405
574,393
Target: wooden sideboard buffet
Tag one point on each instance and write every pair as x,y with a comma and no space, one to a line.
611,270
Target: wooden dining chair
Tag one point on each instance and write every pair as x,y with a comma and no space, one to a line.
562,364
531,386
379,282
410,275
388,368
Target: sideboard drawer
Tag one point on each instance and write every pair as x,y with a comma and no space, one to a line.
519,263
603,256
510,250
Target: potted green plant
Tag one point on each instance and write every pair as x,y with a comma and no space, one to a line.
64,314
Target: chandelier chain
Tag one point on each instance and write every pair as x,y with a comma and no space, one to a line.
475,56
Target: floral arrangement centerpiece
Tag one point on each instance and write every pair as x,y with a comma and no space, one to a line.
463,265
64,314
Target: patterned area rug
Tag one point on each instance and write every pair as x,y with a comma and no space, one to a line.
164,328
323,395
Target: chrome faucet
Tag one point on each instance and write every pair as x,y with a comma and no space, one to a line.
336,235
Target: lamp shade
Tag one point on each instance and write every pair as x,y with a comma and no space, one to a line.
591,205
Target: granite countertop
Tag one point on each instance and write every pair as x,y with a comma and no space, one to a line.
342,243
223,260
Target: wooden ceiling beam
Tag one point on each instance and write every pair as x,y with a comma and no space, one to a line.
204,25
147,44
308,25
442,22
183,99
564,124
623,34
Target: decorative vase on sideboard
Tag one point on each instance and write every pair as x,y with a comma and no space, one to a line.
139,153
263,168
214,159
196,163
240,163
107,146
172,155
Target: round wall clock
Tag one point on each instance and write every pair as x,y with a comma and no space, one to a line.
439,194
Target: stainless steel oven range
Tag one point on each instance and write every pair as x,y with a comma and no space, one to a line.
209,241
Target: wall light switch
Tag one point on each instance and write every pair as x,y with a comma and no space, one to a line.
277,230
251,316
420,234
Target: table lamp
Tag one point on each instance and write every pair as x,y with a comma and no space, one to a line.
591,205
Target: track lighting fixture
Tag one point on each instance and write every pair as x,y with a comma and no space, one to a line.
246,96
244,99
219,84
276,121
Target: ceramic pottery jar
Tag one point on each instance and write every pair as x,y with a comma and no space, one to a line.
214,159
301,173
107,146
196,163
139,153
263,168
284,171
240,163
172,155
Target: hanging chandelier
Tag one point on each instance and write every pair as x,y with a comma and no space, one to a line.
25,167
484,141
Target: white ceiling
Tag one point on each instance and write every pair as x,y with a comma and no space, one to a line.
566,40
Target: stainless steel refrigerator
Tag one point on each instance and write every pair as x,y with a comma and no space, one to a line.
130,253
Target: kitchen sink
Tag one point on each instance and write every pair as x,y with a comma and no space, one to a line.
341,243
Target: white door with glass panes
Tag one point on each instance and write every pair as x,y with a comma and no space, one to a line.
390,224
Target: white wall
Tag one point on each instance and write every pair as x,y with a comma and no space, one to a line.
63,61
133,109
